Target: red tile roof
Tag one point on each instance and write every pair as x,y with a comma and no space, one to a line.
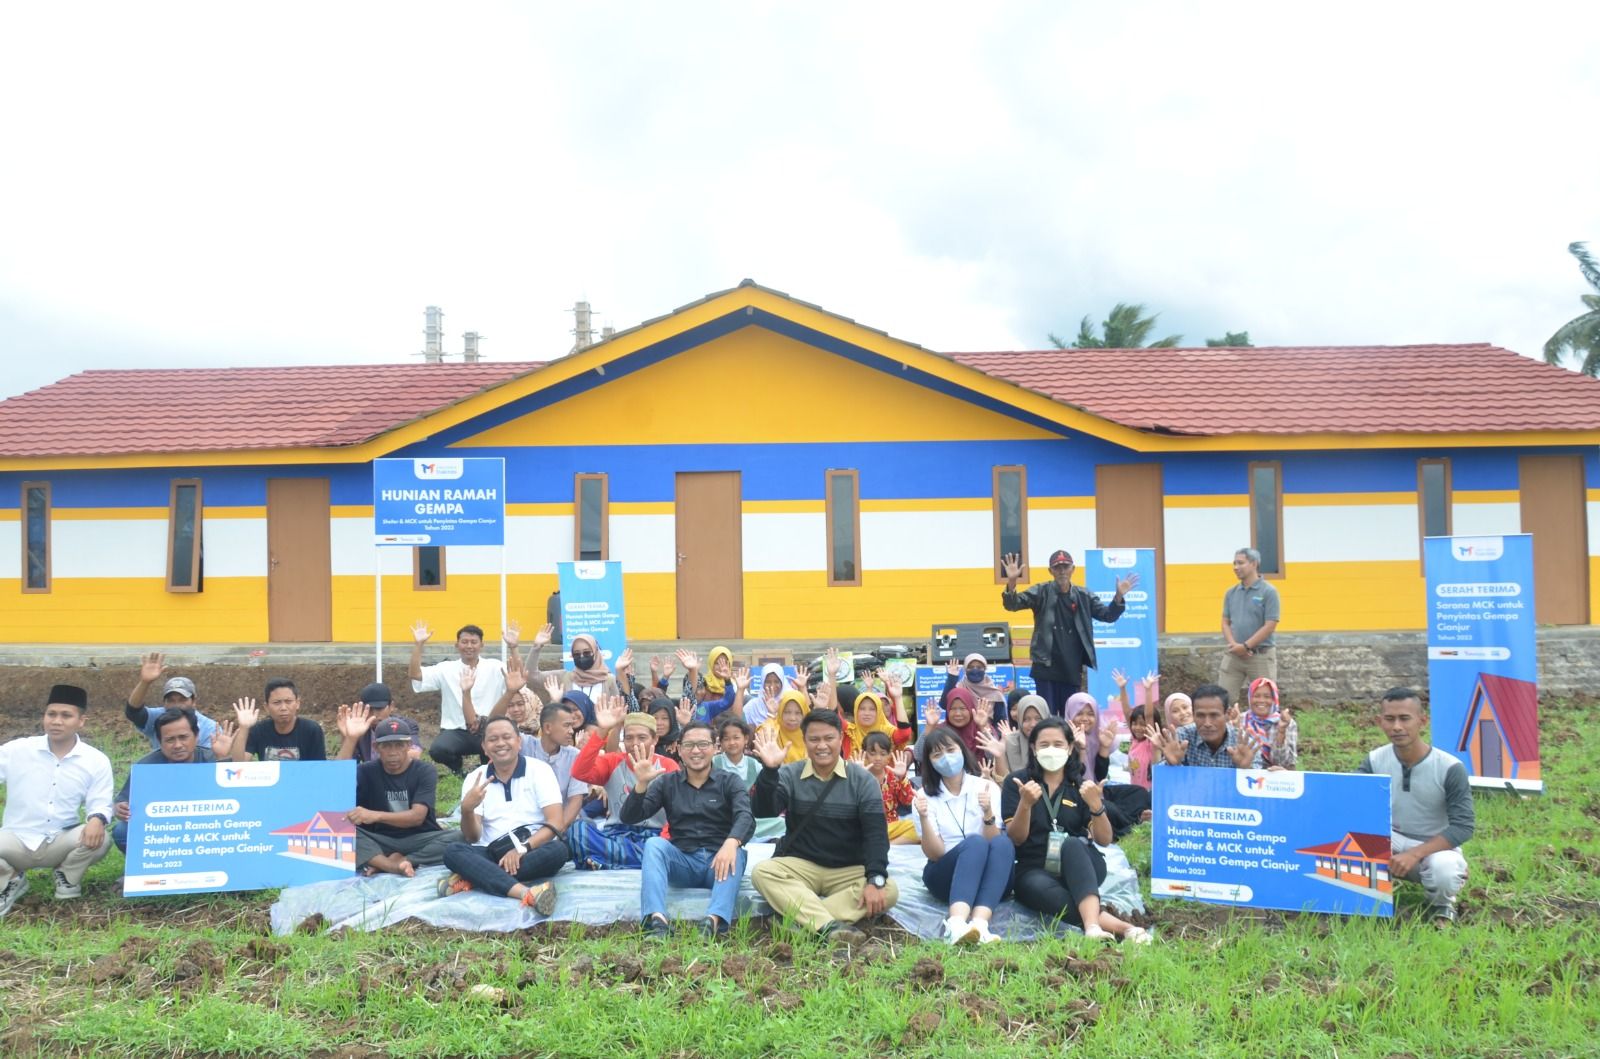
1367,845
1516,705
1307,389
208,409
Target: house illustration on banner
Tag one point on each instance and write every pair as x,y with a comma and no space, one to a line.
1358,861
326,838
1501,731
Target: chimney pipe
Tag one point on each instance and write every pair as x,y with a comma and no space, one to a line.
469,353
433,350
584,329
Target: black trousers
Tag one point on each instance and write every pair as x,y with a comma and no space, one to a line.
453,746
474,864
1083,869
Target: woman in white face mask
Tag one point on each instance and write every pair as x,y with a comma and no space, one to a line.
969,857
1051,813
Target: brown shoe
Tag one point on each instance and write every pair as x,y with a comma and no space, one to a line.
541,898
452,884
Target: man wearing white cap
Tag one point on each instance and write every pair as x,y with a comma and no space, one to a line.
48,779
176,694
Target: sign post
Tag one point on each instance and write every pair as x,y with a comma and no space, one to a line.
1483,660
437,503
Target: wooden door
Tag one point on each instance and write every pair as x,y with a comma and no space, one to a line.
299,561
1553,496
710,556
1128,514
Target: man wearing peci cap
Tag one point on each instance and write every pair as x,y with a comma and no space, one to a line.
48,779
616,844
356,724
176,694
396,830
1063,636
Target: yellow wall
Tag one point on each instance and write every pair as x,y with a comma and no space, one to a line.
737,384
1316,597
135,610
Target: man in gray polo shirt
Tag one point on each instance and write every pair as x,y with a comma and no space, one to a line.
1249,618
1431,800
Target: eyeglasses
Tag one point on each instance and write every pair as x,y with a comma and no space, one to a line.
697,745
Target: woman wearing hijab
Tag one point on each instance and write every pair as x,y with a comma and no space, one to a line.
717,687
762,705
589,673
973,674
785,727
871,715
1031,709
1270,727
667,728
961,717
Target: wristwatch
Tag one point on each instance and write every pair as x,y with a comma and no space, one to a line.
96,816
877,880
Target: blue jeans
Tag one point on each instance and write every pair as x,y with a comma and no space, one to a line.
119,835
977,872
667,865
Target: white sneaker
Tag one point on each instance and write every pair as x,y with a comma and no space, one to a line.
958,931
12,893
66,891
985,935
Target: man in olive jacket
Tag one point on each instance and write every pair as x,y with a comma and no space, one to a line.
1063,638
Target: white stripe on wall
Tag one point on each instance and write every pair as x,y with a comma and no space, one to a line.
1203,535
925,540
1069,528
1471,520
11,549
1594,528
790,540
643,544
1350,533
132,547
234,547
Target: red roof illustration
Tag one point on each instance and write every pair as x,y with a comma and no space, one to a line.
1516,705
327,822
1367,846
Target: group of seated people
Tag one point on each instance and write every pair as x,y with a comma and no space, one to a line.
597,768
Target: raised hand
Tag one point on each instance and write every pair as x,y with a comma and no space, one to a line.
1028,793
952,668
609,712
655,668
859,757
986,800
1081,726
933,714
685,711
472,797
552,686
1167,742
1011,567
354,720
741,677
625,660
469,678
668,668
830,665
986,770
1108,739
645,768
688,659
983,712
801,672
1093,794
1281,734
545,634
991,744
513,634
1120,677
1235,715
891,684
1243,752
821,699
421,633
151,666
1005,730
247,713
516,673
768,749
902,763
222,740
1126,584
919,804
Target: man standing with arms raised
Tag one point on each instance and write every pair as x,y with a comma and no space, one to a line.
48,778
458,725
1249,618
1063,636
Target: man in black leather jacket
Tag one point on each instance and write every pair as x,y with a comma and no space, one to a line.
1063,638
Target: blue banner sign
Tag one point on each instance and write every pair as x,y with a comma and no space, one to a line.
1301,841
1483,661
1129,643
591,603
439,502
238,825
930,686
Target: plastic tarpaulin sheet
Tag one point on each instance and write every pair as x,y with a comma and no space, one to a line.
599,898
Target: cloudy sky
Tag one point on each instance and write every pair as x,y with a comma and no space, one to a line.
229,184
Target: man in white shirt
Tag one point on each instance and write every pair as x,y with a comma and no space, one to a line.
48,779
458,724
510,812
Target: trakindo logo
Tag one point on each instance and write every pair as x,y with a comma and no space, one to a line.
1478,549
437,470
247,774
1118,558
1259,783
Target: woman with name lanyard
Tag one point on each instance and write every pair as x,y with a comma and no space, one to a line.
1054,817
969,858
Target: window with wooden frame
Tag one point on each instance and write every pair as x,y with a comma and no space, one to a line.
427,568
591,507
185,557
1433,497
843,506
35,536
1010,519
1266,516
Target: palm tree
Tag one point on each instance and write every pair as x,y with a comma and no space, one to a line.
1125,328
1233,339
1580,336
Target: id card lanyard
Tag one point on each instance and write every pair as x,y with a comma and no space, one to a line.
1057,837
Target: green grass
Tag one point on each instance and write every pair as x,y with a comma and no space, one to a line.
1517,976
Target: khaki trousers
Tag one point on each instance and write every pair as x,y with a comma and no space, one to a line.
1236,673
64,851
812,895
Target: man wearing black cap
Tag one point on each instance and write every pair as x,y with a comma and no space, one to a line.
48,779
356,723
1063,638
176,694
396,830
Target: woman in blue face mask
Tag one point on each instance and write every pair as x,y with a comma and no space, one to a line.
969,857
